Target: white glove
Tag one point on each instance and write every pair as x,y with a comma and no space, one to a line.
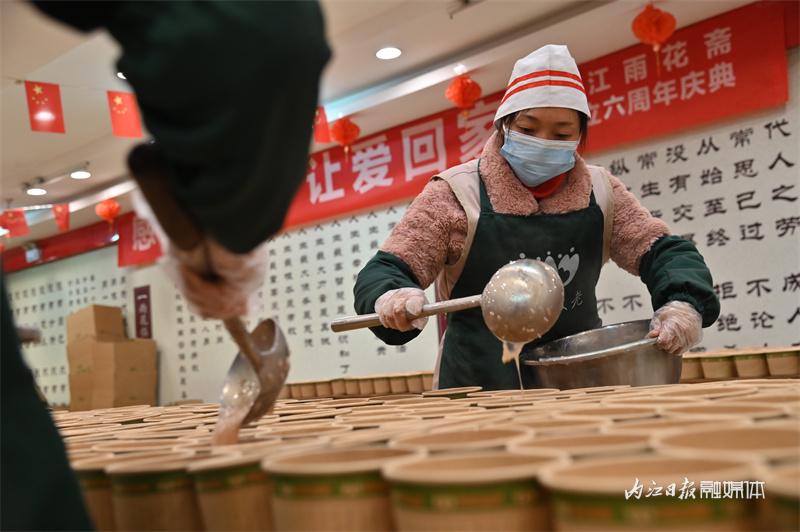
398,309
678,327
236,278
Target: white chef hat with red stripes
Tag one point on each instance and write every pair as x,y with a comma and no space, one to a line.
547,77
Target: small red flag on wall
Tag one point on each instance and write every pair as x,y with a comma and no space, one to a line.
61,214
124,111
44,107
14,221
322,132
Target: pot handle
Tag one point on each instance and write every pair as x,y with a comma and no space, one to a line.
645,342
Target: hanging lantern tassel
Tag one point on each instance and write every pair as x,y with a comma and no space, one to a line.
108,211
344,132
463,91
654,26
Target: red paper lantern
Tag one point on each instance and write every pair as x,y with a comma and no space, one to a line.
654,26
344,132
463,91
107,210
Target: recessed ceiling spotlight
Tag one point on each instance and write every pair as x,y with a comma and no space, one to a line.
459,69
120,75
80,174
36,191
390,52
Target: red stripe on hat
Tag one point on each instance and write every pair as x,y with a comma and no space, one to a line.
542,73
552,82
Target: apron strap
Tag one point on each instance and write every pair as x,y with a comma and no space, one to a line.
486,204
604,195
464,183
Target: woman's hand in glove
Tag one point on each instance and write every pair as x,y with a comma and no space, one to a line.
216,282
678,327
398,309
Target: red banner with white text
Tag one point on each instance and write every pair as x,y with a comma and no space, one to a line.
724,66
137,244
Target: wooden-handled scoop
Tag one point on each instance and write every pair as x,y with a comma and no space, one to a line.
363,321
520,303
258,382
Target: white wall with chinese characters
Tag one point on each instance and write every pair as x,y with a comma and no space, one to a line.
310,281
731,187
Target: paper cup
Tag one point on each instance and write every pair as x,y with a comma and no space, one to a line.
453,393
414,383
590,495
608,412
96,486
233,493
153,494
478,491
588,445
725,410
459,441
751,365
783,362
755,442
718,367
340,490
781,507
691,368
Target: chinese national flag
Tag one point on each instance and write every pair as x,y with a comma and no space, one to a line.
61,214
14,221
322,133
125,121
44,107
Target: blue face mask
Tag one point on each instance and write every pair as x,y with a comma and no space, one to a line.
536,160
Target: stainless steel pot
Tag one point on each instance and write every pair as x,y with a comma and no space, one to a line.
612,355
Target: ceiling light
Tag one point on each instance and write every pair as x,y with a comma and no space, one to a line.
115,237
120,75
459,69
36,191
44,116
80,174
390,52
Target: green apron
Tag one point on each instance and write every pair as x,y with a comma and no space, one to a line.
571,242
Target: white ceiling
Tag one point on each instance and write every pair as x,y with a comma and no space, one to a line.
487,37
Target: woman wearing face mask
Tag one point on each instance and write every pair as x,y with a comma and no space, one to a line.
530,195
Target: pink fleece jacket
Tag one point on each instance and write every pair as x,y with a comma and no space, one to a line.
433,230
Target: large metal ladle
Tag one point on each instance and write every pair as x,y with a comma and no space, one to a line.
520,303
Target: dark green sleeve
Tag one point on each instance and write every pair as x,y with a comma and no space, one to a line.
674,270
228,89
38,490
382,273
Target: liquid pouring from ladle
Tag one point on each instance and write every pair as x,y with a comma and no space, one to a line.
520,303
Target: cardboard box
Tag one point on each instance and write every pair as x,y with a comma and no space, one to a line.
125,356
80,391
96,321
124,389
105,374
